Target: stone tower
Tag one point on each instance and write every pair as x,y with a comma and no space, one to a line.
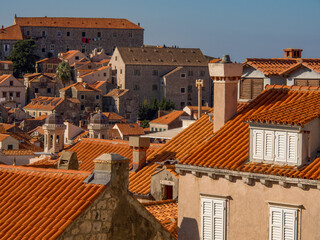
99,126
53,133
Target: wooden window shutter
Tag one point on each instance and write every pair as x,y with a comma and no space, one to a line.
300,82
245,89
213,219
289,224
257,87
275,232
292,147
283,224
258,144
281,146
268,145
313,83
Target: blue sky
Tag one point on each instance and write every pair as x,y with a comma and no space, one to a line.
243,29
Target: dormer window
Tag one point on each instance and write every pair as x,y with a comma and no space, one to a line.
275,146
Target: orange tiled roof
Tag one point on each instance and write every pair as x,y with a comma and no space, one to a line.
281,66
45,103
215,60
97,84
11,33
203,108
17,152
7,126
113,116
41,203
7,62
130,129
50,60
92,71
229,147
3,136
166,212
116,92
81,86
168,118
24,141
42,117
4,77
66,22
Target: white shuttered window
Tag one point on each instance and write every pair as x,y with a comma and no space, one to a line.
269,145
213,218
258,144
292,145
283,223
281,146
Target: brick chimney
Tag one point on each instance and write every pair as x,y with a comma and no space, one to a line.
139,148
292,53
110,169
225,76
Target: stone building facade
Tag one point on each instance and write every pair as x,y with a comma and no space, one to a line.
8,37
6,67
47,65
153,72
12,90
58,34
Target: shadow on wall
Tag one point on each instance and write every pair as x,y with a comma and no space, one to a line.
188,229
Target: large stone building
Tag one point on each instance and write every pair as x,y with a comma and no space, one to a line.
59,34
153,72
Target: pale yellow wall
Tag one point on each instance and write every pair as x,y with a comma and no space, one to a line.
248,209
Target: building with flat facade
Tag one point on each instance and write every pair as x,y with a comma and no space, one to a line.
154,72
60,34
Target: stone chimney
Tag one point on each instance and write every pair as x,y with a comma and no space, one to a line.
292,53
68,160
139,148
110,169
225,76
199,85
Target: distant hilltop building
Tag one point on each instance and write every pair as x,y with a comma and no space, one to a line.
60,34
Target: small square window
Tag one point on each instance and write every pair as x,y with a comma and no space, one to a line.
11,94
99,35
36,90
17,94
115,35
104,74
11,83
76,57
82,107
43,48
97,97
58,34
183,90
48,90
183,75
68,34
4,94
52,47
81,97
10,147
155,72
83,34
154,87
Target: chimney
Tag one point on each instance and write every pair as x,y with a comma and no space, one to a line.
139,147
2,27
292,53
68,160
199,85
225,76
110,169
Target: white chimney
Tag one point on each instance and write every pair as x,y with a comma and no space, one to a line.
225,76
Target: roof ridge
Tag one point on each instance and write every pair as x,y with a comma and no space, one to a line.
159,202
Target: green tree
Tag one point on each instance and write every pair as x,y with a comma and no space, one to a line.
63,74
166,105
149,112
23,57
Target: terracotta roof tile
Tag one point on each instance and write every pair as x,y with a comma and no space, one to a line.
4,77
3,136
30,210
81,86
11,33
168,118
17,152
130,129
64,22
229,147
50,60
166,212
116,92
114,117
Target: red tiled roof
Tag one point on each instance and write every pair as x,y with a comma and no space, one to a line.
168,118
42,117
3,136
281,66
203,108
166,212
41,203
44,103
66,22
11,33
4,77
97,84
116,92
92,71
113,116
81,86
7,62
229,147
50,60
17,152
130,129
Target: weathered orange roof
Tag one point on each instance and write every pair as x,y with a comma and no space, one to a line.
215,60
11,33
92,71
168,118
3,136
7,126
17,152
281,66
203,108
4,77
130,129
116,92
81,86
7,62
45,103
166,212
113,116
50,60
42,117
229,147
97,84
66,22
41,203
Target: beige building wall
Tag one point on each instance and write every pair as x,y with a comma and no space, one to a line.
9,141
101,75
13,90
247,207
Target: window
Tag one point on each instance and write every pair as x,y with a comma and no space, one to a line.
279,146
137,72
183,75
4,94
136,87
83,50
202,73
189,88
182,105
81,97
99,35
48,90
50,66
154,87
213,218
6,47
11,83
17,94
115,35
83,34
58,34
10,94
52,47
190,73
43,33
10,147
97,97
182,90
68,34
283,223
167,191
116,58
251,88
155,72
104,74
82,107
76,57
43,48
130,35
28,33
36,90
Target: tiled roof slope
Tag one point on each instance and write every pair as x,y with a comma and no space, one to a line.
11,33
66,22
162,56
280,66
82,87
42,203
116,92
112,116
229,147
166,212
48,103
130,129
168,118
